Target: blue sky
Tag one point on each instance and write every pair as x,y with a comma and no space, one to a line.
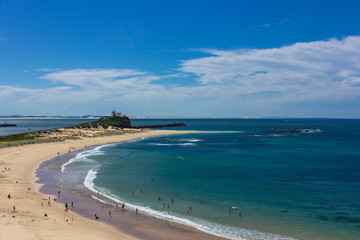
180,58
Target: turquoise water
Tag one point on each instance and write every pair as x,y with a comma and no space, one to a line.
276,185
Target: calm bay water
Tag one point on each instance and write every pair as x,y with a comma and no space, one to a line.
244,179
33,125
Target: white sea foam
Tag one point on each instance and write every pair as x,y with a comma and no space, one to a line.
190,140
310,130
188,144
223,132
202,225
100,200
89,180
83,156
173,144
276,135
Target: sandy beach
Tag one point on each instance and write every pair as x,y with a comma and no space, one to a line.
25,213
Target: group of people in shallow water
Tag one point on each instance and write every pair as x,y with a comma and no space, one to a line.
188,212
110,216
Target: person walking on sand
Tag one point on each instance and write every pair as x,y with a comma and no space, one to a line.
96,216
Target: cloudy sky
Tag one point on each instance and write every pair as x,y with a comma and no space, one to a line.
180,58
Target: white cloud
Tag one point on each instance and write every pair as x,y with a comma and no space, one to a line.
88,85
94,77
314,70
250,79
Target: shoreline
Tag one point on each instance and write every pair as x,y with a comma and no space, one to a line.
28,220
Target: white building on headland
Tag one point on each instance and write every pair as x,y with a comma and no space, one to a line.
117,114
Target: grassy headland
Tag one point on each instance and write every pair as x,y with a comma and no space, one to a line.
105,126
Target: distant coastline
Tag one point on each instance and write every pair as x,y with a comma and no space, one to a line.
141,117
149,117
11,117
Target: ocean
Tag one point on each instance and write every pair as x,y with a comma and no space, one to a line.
240,178
33,125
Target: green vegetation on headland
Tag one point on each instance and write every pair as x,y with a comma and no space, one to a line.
27,138
19,137
105,122
110,125
105,126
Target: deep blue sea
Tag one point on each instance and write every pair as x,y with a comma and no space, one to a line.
241,179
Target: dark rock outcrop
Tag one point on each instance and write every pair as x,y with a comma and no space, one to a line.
7,125
288,131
